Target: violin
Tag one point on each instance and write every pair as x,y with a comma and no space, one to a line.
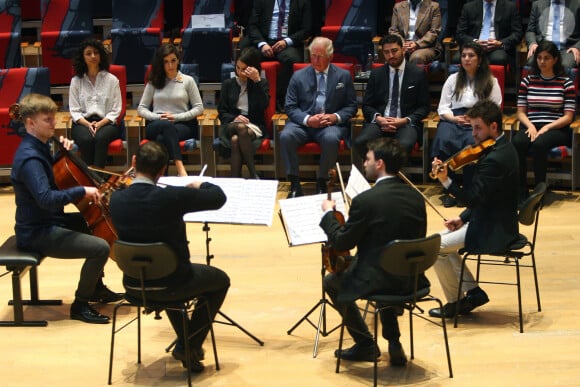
334,261
468,155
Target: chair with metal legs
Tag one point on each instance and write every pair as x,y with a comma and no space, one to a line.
528,215
408,258
146,262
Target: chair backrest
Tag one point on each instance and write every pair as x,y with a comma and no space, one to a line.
408,257
30,9
498,71
360,13
149,261
121,73
67,15
529,209
205,7
10,16
125,15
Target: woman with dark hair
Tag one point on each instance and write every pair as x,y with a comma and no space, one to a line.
170,103
94,102
472,83
243,100
546,107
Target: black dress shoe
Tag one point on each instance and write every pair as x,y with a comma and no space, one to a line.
449,309
448,201
295,193
359,353
475,297
84,312
396,354
104,295
196,365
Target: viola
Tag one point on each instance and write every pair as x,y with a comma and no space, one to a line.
334,261
468,155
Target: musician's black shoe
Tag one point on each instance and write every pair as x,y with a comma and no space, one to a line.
321,186
448,201
475,297
196,365
449,309
396,354
295,192
104,295
366,352
84,312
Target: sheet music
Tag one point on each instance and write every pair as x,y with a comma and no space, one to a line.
356,183
302,216
249,201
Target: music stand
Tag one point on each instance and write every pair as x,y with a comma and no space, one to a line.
321,326
230,321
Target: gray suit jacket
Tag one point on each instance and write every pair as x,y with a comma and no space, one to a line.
340,94
538,23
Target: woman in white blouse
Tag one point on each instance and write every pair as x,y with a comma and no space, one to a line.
94,102
472,83
170,103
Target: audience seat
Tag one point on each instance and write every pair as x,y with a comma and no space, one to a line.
10,34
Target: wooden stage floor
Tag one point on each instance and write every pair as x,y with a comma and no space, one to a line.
273,285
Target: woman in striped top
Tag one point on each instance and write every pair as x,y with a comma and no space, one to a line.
546,107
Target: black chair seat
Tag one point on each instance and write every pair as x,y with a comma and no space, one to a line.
398,299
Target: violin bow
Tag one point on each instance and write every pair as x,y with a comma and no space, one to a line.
404,178
346,200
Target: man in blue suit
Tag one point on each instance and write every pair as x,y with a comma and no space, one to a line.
320,102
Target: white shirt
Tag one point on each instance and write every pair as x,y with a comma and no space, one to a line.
102,99
468,98
491,27
551,22
391,77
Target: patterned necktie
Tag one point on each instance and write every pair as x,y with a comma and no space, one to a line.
484,35
556,25
281,17
320,95
394,95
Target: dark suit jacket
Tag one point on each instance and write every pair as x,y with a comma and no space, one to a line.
146,213
492,200
258,99
507,23
340,94
413,99
390,210
538,23
299,21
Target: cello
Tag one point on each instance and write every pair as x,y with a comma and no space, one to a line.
69,171
334,261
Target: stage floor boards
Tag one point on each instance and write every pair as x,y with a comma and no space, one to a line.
273,286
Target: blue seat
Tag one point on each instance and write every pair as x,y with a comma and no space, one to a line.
10,34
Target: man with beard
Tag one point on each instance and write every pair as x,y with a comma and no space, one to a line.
396,99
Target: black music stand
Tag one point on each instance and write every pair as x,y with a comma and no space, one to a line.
208,258
321,326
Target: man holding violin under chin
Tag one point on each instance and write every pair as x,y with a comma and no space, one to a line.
489,224
390,210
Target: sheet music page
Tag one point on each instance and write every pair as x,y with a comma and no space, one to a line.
248,201
302,217
357,183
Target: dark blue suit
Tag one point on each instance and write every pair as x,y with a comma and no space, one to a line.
300,100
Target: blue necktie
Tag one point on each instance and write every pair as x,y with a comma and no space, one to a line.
484,35
394,95
281,17
320,95
556,25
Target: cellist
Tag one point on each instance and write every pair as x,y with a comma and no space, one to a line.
390,210
41,224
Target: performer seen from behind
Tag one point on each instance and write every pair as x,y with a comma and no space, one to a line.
373,222
146,213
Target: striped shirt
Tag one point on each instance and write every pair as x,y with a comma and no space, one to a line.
546,100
